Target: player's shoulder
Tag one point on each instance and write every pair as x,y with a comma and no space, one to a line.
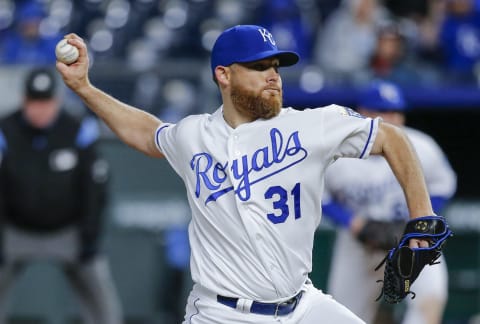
67,123
12,117
419,137
423,143
73,120
338,110
189,126
191,120
333,109
13,123
342,110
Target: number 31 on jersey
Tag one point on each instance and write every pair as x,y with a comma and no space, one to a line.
279,197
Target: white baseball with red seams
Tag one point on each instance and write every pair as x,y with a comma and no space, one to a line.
65,52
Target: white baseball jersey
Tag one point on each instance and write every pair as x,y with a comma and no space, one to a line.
254,193
370,189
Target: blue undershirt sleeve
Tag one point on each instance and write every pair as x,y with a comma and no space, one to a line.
338,214
438,202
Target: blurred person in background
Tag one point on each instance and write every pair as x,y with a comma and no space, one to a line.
53,188
393,60
348,39
24,42
460,41
421,20
365,201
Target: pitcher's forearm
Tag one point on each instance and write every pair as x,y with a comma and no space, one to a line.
133,126
411,178
403,160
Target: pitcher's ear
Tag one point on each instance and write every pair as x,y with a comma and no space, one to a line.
222,74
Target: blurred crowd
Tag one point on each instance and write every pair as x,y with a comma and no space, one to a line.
425,42
341,42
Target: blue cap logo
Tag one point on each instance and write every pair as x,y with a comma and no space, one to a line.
247,43
382,96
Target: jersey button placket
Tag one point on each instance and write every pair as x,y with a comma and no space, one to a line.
236,151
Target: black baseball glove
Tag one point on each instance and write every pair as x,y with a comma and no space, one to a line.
403,264
381,235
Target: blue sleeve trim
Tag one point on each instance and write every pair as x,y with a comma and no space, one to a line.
157,133
88,133
338,214
368,139
438,203
3,142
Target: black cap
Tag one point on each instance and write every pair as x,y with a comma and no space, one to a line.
40,84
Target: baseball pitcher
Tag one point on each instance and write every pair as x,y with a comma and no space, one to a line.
253,172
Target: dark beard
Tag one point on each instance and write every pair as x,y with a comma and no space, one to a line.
255,106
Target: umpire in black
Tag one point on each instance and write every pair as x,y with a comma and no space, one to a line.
52,195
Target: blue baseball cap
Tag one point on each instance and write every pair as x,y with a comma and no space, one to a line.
248,43
382,96
30,10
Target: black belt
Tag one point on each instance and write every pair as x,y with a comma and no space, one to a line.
276,309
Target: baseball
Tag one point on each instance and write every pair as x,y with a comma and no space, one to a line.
65,52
